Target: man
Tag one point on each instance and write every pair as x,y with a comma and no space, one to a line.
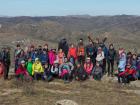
91,52
17,54
6,61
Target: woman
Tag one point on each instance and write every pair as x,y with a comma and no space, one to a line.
100,57
65,70
61,56
52,56
122,62
72,54
21,72
110,59
38,70
88,66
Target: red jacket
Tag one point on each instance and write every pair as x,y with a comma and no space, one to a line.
72,52
21,70
128,72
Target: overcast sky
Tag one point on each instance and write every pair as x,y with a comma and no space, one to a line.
68,7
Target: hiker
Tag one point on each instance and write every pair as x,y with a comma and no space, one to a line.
52,56
37,70
72,54
29,65
6,62
110,59
81,52
39,51
91,51
100,57
44,58
46,48
134,61
34,54
65,70
2,68
55,69
47,73
97,72
129,57
121,63
21,72
138,66
17,53
105,50
88,66
21,57
128,75
63,44
80,73
61,56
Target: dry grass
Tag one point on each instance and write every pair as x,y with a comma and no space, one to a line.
84,93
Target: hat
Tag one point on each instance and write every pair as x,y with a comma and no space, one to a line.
88,58
56,62
36,59
22,62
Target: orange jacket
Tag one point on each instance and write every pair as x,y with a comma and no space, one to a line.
72,52
81,51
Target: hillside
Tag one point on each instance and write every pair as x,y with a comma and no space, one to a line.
120,29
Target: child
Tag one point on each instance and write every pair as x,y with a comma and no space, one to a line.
97,72
65,70
88,66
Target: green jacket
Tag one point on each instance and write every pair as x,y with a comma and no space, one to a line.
29,66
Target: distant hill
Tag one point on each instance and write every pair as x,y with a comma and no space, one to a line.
120,28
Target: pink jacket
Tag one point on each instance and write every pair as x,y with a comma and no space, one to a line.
88,68
52,57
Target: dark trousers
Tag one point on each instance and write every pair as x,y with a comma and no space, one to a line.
6,72
104,66
38,76
66,77
97,76
81,59
110,70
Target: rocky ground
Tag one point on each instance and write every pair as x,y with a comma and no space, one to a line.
90,92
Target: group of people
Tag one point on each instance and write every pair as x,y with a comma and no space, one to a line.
71,62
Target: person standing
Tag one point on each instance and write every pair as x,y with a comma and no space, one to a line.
110,59
6,61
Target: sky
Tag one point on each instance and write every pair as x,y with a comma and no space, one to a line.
68,7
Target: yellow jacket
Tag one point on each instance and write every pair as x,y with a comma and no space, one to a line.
37,67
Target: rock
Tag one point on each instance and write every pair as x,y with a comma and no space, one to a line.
66,102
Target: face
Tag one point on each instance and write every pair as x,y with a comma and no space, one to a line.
65,60
60,50
134,56
90,42
111,47
29,59
23,64
46,47
72,45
